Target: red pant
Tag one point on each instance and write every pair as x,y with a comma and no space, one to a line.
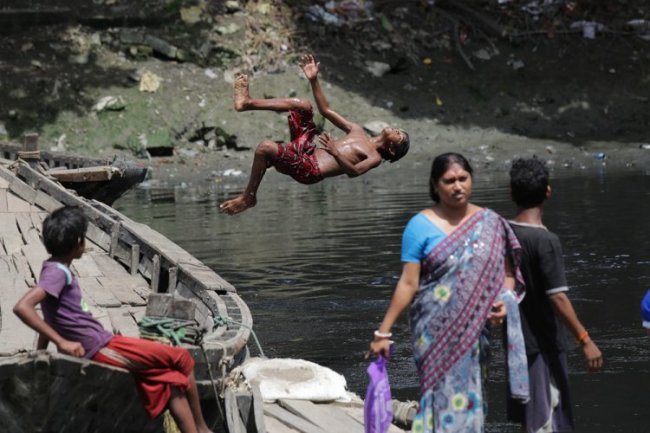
155,367
297,158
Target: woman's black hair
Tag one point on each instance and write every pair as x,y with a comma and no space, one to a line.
528,182
63,229
440,166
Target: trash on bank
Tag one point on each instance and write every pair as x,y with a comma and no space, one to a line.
377,69
589,28
600,156
232,172
109,103
150,82
642,27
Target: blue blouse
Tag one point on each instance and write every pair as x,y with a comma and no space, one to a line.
420,236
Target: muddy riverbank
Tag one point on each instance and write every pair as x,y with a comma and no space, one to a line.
121,85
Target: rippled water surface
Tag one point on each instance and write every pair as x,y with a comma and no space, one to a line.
317,266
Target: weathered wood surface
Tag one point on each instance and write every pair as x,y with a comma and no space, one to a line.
291,420
50,392
85,174
114,275
303,416
14,336
12,240
122,322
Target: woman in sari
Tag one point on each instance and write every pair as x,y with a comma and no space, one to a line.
458,272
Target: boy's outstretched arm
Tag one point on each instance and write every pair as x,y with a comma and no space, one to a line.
564,310
25,309
311,68
350,169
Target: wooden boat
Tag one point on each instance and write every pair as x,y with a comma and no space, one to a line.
102,180
125,264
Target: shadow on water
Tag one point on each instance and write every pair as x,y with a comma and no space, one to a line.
317,266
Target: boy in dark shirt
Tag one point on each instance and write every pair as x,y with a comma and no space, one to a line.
546,310
164,374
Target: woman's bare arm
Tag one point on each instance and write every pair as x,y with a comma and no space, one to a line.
405,291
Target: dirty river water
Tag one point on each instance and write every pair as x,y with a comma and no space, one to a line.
317,266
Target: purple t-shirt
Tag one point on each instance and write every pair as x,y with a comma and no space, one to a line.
67,312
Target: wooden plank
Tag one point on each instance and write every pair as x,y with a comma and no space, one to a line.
3,200
356,413
46,202
291,420
258,408
328,417
35,254
26,227
275,426
11,237
111,268
86,174
38,216
107,265
22,267
155,273
6,267
98,236
123,322
16,204
137,313
101,315
15,336
123,289
97,294
135,258
85,266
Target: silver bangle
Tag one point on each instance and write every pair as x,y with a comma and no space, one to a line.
383,334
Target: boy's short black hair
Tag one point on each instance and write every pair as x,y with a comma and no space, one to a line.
62,230
402,149
528,182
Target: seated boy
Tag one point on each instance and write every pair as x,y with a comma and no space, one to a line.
353,154
546,310
163,373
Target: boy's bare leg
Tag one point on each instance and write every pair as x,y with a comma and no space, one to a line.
264,156
244,102
195,407
180,409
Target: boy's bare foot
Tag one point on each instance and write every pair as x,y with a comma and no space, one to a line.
242,97
238,204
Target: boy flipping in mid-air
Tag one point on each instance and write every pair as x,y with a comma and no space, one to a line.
353,154
546,309
162,373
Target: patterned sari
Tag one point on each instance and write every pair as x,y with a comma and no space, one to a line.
460,279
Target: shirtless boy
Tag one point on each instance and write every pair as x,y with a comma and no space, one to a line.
353,154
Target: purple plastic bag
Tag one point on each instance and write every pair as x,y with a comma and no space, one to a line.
377,408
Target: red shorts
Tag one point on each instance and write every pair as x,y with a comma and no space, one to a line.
297,158
155,367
